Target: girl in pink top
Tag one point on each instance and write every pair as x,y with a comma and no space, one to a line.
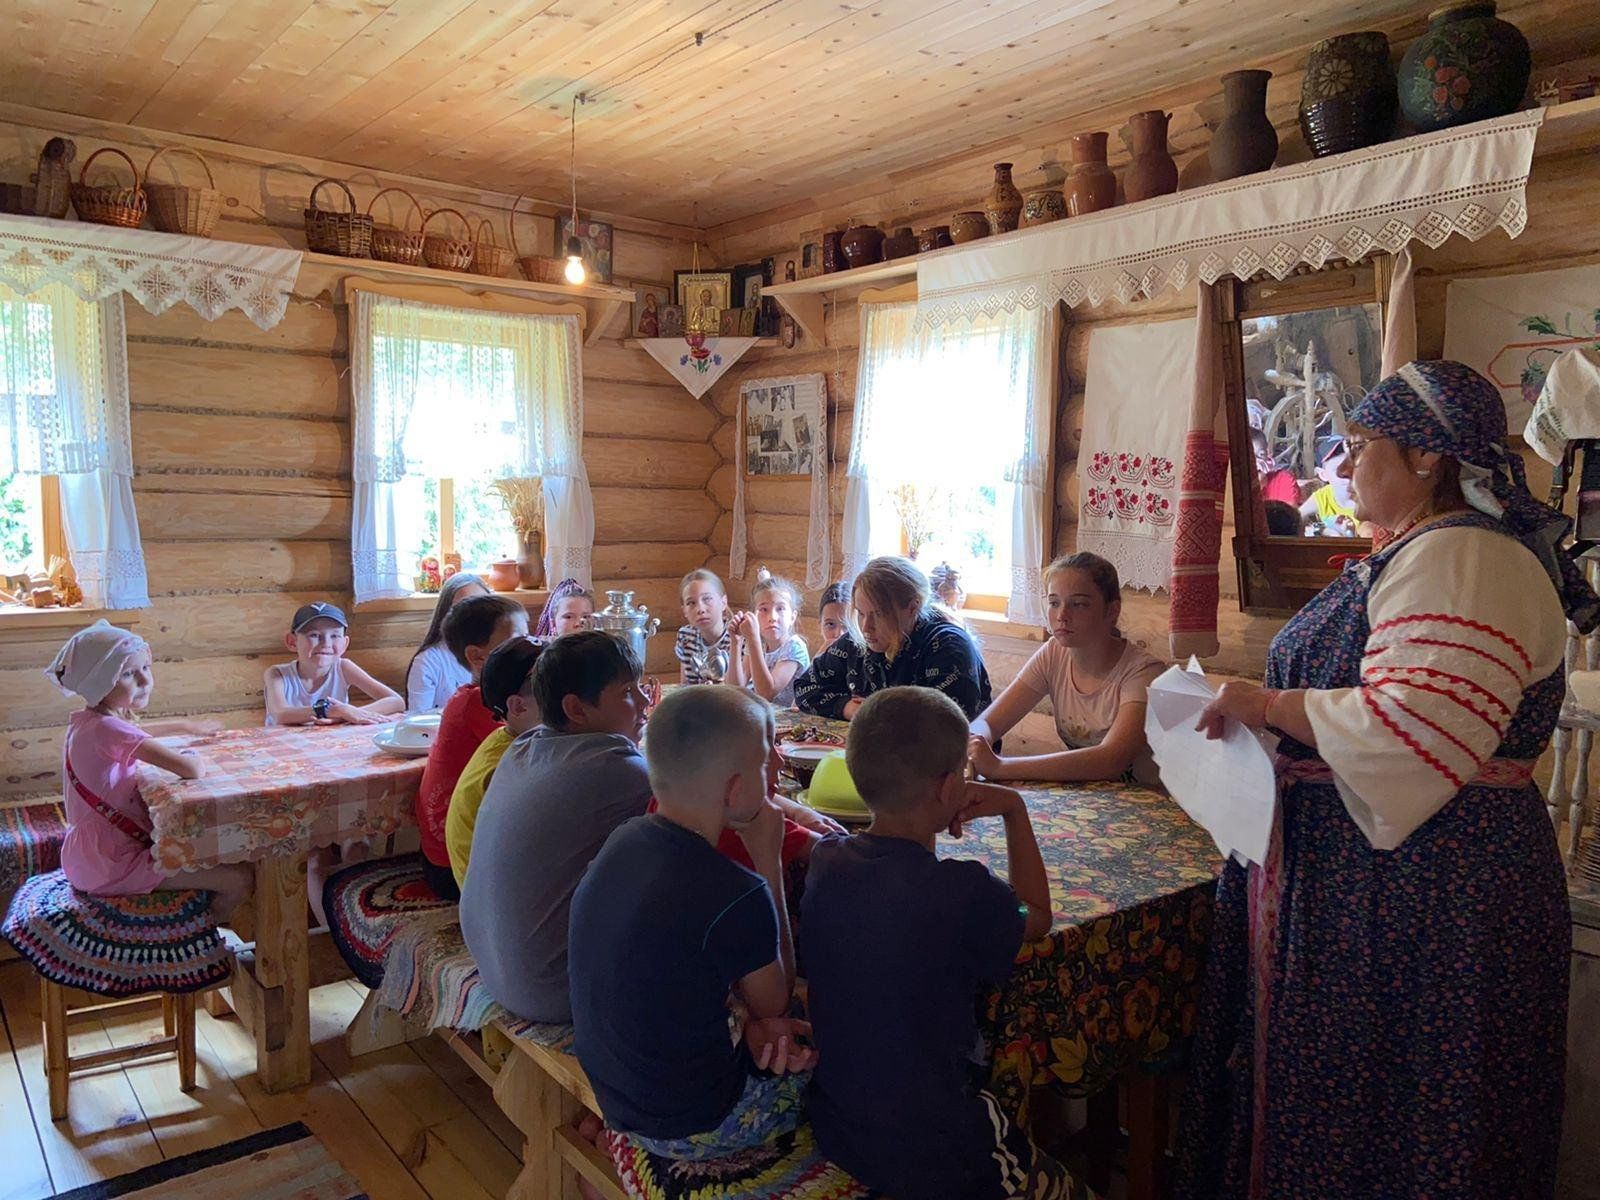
1095,678
107,847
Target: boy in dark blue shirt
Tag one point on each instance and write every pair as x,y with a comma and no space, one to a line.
664,928
898,944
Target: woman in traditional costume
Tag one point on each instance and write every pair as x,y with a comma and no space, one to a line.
1384,1013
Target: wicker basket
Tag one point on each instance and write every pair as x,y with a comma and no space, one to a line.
178,208
392,244
347,234
111,203
488,258
535,268
447,253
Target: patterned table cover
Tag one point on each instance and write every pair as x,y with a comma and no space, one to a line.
1116,982
277,791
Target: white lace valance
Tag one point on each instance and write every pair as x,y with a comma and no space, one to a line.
156,269
1464,181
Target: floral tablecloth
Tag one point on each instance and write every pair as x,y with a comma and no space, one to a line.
277,790
1116,982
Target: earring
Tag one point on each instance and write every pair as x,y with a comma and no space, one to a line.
1424,474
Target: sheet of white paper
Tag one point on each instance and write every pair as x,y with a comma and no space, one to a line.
1226,786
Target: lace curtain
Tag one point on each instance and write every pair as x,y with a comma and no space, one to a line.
443,392
917,393
64,412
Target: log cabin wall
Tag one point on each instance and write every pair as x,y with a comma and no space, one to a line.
1560,233
241,445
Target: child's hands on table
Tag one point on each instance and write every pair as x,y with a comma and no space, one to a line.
981,757
774,1044
352,715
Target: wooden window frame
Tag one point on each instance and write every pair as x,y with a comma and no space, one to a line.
1277,575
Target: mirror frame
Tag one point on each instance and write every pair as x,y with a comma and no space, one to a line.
1278,574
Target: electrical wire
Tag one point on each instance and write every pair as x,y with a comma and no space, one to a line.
700,39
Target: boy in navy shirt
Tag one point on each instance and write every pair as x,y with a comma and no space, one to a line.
664,928
898,945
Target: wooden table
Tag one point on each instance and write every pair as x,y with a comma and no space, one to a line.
269,797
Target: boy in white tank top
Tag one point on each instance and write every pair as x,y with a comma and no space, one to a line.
314,689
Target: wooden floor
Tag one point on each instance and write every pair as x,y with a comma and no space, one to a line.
408,1123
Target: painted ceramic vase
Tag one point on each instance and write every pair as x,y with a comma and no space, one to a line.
968,227
1468,66
1347,99
1153,172
1043,205
1245,142
1004,204
1091,184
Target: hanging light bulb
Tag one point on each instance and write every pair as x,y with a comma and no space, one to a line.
574,271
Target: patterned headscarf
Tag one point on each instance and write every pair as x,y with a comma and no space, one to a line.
1449,408
547,618
91,661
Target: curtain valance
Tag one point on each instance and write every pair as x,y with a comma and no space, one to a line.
1465,181
158,270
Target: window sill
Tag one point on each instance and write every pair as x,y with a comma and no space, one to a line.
993,624
20,618
425,601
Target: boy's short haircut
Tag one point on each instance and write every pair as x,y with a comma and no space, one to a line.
581,664
472,622
701,736
902,740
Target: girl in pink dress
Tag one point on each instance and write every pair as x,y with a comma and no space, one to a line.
107,847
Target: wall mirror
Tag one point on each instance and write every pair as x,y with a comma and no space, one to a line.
1298,356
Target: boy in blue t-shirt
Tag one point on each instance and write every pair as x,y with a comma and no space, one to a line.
898,945
664,927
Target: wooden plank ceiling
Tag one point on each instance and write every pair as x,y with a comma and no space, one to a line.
784,99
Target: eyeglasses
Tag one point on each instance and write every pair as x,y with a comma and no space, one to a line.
1354,446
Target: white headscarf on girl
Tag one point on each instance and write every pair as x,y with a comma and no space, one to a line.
91,661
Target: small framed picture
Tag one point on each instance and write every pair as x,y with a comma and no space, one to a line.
671,321
808,257
594,237
748,281
648,301
728,322
747,322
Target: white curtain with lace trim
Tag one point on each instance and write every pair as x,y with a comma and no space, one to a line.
64,412
954,409
443,392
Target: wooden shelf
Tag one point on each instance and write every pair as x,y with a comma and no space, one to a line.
1567,127
638,343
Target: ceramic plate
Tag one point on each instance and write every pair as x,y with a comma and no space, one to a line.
384,740
807,752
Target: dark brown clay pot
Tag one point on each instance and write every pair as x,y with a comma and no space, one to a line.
900,244
1347,99
832,253
968,227
1152,171
1043,205
935,237
1245,142
862,245
1004,204
1091,185
1468,66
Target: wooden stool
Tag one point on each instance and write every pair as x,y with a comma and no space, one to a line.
121,948
177,1019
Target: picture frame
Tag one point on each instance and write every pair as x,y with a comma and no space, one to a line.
649,299
779,422
747,322
748,280
808,255
728,322
671,321
696,291
595,237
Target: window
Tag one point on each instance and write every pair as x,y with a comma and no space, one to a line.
448,400
951,449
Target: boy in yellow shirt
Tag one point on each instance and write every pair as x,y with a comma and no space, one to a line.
504,682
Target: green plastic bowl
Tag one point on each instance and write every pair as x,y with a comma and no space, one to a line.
832,789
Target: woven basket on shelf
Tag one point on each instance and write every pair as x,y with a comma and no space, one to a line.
447,253
392,244
347,234
535,267
110,203
178,208
487,257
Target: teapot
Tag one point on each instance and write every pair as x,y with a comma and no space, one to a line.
630,625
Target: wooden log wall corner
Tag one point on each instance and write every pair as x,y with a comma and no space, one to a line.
241,444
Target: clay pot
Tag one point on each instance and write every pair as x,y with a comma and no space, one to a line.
1043,205
968,227
1091,185
935,237
862,245
1153,171
1004,204
901,244
1245,142
832,253
1348,98
1468,66
530,567
503,575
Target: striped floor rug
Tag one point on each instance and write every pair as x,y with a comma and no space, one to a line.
287,1163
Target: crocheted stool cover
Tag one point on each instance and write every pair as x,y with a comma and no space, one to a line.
789,1167
30,843
117,946
367,904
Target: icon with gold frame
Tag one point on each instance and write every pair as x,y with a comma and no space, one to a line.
703,295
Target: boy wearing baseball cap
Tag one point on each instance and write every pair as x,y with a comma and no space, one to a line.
506,683
314,689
